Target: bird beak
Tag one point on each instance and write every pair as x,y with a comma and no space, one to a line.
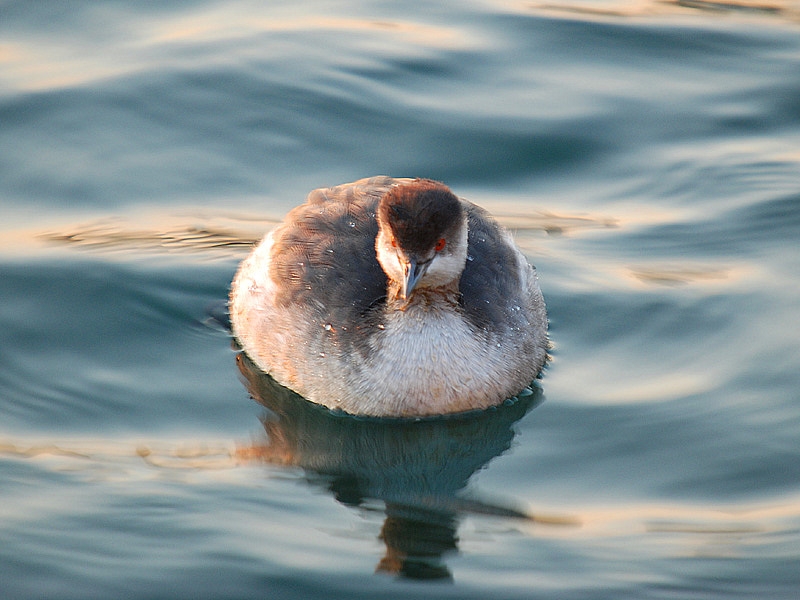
414,272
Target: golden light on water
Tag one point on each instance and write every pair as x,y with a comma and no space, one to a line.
69,59
682,529
63,60
679,529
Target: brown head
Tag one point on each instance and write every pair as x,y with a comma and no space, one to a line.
422,236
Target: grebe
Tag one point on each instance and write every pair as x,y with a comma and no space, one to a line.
391,298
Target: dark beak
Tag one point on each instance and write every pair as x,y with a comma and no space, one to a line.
414,272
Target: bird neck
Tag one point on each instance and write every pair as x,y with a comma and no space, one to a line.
444,296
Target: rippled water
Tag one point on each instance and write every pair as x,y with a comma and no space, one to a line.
647,157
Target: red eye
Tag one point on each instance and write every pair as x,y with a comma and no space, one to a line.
440,245
394,243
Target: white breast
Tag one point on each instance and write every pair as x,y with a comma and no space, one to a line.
427,359
431,359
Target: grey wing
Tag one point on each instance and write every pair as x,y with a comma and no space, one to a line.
324,256
494,292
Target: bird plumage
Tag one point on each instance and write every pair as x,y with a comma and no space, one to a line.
313,305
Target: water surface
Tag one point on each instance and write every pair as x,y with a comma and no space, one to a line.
645,155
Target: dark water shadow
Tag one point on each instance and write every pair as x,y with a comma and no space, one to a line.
417,469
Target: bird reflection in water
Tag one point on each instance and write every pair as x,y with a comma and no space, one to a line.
416,469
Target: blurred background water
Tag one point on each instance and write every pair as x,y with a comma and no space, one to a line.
646,155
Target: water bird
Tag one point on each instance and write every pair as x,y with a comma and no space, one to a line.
391,297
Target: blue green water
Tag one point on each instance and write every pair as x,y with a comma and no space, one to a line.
646,156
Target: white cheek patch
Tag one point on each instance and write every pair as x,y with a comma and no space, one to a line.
447,266
389,260
443,270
